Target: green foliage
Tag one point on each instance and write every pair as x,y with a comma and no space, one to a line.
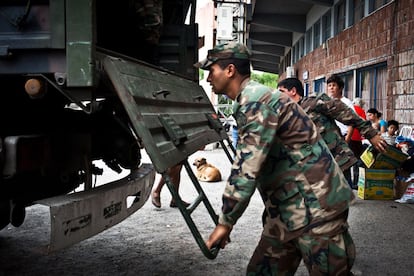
223,99
200,74
267,79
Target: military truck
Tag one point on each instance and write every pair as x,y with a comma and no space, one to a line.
87,80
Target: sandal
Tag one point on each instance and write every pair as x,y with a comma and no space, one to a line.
173,205
156,201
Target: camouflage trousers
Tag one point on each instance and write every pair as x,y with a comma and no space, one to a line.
322,255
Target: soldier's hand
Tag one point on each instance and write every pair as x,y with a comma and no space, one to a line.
379,143
221,234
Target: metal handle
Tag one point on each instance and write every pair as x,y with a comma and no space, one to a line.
161,92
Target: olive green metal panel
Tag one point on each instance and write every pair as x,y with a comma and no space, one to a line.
78,216
171,115
80,42
57,23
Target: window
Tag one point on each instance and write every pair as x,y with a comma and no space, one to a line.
376,4
295,53
308,41
319,85
326,26
372,87
288,59
348,79
301,47
340,17
306,89
317,34
356,11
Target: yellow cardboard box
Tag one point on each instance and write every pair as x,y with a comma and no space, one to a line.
391,159
376,184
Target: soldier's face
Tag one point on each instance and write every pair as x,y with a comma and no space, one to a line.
218,79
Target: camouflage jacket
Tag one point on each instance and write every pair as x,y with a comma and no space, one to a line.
323,111
281,153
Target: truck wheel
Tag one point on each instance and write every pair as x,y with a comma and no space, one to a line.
18,213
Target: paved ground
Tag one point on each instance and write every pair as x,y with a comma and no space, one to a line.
158,242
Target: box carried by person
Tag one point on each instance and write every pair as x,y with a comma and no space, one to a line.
392,158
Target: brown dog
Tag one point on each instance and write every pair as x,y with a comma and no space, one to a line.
205,171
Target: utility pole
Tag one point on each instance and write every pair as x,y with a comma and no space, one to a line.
231,26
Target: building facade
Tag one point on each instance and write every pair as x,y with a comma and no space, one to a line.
370,44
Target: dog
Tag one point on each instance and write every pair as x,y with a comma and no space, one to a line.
205,171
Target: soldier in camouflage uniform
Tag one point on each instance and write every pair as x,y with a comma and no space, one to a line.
323,111
280,153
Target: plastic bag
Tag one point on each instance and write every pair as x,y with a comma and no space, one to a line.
408,196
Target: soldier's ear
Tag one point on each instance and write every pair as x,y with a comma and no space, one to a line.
231,70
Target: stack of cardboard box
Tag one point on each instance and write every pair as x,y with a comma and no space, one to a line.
376,181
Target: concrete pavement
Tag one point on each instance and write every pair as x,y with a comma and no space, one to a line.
157,241
382,229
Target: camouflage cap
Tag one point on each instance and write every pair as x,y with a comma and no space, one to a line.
224,51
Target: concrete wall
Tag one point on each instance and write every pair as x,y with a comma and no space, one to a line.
205,17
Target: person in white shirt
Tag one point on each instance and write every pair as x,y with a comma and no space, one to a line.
335,86
391,133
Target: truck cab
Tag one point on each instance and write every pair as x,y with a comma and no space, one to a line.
86,80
